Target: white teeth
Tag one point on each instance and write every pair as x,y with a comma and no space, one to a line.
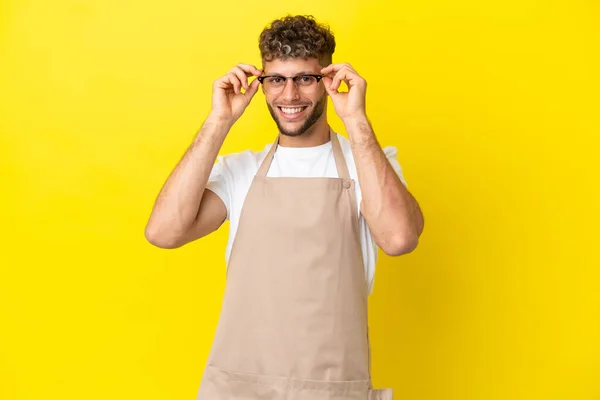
291,110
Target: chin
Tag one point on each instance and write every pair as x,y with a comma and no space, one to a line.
292,132
298,126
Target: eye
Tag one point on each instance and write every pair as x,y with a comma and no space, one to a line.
275,79
307,79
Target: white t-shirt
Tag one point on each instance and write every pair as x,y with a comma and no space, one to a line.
232,176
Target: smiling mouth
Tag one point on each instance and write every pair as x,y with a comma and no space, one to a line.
292,111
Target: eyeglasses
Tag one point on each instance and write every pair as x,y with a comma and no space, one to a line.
305,83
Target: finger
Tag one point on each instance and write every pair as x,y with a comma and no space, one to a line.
223,82
334,68
252,89
234,80
241,76
327,83
342,75
330,69
250,69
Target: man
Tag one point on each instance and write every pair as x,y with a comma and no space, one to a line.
306,217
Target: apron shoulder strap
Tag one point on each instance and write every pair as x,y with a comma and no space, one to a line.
340,161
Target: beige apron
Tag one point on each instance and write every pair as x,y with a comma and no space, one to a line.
293,323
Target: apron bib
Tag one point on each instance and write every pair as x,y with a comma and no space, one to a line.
293,323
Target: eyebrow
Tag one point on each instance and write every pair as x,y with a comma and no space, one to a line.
299,73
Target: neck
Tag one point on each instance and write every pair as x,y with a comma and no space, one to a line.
316,135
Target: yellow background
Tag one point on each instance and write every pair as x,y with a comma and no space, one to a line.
493,107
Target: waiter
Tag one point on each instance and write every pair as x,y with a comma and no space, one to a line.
306,215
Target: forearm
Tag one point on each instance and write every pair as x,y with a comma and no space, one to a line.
178,201
391,212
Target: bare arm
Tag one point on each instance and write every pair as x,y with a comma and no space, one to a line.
184,210
392,213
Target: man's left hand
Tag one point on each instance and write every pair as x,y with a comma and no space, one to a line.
349,104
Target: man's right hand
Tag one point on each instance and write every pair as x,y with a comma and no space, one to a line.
228,102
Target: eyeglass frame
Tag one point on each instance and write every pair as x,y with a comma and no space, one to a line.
318,77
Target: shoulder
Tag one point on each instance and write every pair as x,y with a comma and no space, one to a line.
391,152
243,161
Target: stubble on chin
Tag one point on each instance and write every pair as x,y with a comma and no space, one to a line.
310,121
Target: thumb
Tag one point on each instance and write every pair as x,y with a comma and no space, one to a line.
327,83
252,89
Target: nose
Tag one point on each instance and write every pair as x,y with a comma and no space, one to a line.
290,91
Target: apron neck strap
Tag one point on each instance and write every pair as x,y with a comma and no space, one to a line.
338,155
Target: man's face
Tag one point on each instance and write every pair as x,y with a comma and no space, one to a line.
296,108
